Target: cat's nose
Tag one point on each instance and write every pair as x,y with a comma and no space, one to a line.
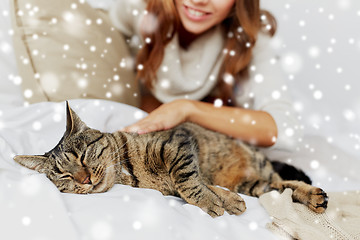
86,180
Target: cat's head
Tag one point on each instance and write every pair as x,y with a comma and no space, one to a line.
80,163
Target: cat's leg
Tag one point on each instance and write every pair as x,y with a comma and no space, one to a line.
190,188
185,175
313,197
254,187
232,202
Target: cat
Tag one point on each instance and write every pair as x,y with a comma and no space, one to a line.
203,167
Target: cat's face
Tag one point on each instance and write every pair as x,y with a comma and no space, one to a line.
80,163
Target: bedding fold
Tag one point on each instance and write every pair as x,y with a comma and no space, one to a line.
292,220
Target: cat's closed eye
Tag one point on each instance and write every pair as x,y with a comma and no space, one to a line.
66,176
82,159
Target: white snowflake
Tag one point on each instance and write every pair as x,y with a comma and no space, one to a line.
26,221
99,21
253,226
68,16
37,125
101,230
49,81
276,94
314,51
5,47
218,103
349,115
28,93
137,225
140,67
289,132
259,78
344,4
318,95
228,78
17,80
57,117
108,40
82,83
165,83
314,164
92,48
292,62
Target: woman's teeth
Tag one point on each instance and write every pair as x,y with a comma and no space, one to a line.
196,13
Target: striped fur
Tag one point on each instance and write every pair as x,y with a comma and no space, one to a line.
187,161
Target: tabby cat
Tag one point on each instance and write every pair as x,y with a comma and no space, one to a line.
187,161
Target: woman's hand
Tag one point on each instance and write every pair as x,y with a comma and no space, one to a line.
164,117
252,126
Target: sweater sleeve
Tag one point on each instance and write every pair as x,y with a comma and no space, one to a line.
266,90
126,14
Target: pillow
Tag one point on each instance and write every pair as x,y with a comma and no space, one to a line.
66,49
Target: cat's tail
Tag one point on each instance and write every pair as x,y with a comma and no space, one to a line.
288,172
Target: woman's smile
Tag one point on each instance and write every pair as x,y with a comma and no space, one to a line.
199,16
195,14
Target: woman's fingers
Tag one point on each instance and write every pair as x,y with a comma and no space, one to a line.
164,117
145,126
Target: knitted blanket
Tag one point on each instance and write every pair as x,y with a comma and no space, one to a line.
292,220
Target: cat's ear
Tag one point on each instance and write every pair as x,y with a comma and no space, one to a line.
73,122
34,162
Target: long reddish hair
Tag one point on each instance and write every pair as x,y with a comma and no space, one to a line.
241,27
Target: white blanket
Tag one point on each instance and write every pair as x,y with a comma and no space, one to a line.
32,208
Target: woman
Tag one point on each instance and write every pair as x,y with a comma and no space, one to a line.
208,62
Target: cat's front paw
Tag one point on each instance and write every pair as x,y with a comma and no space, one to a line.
212,205
234,204
318,200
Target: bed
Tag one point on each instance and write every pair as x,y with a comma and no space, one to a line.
32,208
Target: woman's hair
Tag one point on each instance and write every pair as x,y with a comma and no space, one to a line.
241,28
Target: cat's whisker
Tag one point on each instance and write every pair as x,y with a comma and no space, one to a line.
116,158
120,155
118,150
118,163
125,152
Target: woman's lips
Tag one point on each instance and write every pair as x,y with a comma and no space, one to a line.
195,14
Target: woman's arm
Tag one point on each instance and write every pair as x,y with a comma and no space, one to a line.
256,127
